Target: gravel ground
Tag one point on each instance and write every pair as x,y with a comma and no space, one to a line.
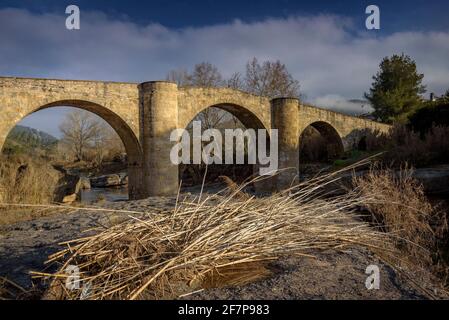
330,275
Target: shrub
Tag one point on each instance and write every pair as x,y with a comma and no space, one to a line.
398,205
374,140
434,114
402,144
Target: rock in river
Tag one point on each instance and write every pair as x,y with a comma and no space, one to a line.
112,180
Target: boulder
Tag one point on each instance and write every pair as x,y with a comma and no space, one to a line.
67,189
107,181
84,183
124,180
70,199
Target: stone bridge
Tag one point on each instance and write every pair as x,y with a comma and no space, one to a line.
145,114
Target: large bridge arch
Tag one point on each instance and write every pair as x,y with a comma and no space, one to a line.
126,134
253,111
23,99
250,121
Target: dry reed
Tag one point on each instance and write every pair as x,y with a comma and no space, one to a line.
400,207
24,180
221,239
27,181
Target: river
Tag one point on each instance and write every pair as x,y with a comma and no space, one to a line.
92,196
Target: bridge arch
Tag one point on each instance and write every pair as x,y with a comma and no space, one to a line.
249,120
243,114
126,134
333,142
252,111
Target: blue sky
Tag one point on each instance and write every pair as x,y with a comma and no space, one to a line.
399,15
324,44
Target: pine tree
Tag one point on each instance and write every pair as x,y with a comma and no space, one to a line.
396,91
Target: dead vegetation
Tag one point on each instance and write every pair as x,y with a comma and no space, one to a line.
23,180
218,240
404,145
230,238
399,207
27,181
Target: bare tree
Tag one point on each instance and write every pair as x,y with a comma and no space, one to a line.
179,76
99,143
270,79
236,82
79,129
206,75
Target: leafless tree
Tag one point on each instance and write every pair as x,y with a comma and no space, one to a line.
79,129
270,79
99,143
206,75
179,76
236,82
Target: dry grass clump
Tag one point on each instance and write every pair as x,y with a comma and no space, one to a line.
398,204
211,242
27,181
23,180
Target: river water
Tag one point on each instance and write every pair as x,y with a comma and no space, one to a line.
92,196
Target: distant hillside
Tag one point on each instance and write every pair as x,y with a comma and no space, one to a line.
24,139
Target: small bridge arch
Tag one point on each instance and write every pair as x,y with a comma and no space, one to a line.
332,138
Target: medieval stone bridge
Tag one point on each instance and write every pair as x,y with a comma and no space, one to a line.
145,114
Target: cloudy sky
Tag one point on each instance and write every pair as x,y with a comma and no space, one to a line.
324,44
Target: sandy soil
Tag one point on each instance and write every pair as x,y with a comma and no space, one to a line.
330,275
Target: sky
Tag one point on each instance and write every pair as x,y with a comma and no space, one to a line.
324,44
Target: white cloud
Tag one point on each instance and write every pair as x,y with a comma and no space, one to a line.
333,58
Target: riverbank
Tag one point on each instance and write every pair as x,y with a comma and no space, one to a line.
333,274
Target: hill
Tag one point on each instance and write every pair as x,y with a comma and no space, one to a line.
23,139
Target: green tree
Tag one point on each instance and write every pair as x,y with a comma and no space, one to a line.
396,90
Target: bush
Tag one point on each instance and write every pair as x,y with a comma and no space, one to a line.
375,141
402,144
434,114
407,145
398,205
